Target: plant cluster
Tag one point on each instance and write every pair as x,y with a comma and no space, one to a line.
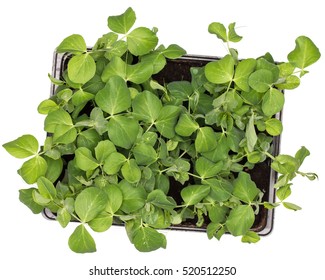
117,140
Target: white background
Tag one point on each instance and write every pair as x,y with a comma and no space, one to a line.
34,248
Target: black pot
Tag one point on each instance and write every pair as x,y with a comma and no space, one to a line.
261,174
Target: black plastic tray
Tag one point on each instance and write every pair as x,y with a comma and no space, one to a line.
261,174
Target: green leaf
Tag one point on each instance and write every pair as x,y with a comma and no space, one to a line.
240,220
286,69
244,188
159,199
243,70
85,160
305,53
232,35
158,218
69,201
63,217
64,134
301,154
100,123
32,169
46,188
60,123
103,150
102,222
273,102
55,81
221,190
162,182
252,97
234,137
139,73
81,241
213,229
91,88
144,154
250,237
101,180
141,41
47,106
251,134
39,199
206,168
291,206
270,206
220,152
115,97
218,29
131,171
285,164
283,192
106,41
147,239
115,198
149,138
26,197
167,120
173,51
81,97
118,49
113,163
186,125
133,197
64,95
81,68
122,23
89,203
274,127
265,64
116,67
123,131
23,147
193,194
74,44
54,165
181,90
220,71
56,118
291,82
146,106
88,138
233,101
156,59
261,80
131,227
206,140
217,213
255,157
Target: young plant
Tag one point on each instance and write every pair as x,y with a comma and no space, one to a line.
118,140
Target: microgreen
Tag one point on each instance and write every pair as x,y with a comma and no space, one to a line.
118,140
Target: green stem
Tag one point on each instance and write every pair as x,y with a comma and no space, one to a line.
228,88
150,126
61,206
194,175
269,155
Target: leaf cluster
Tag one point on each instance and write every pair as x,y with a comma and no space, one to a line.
118,141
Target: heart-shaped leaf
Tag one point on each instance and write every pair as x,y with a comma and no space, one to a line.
89,203
220,71
122,23
115,97
305,53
